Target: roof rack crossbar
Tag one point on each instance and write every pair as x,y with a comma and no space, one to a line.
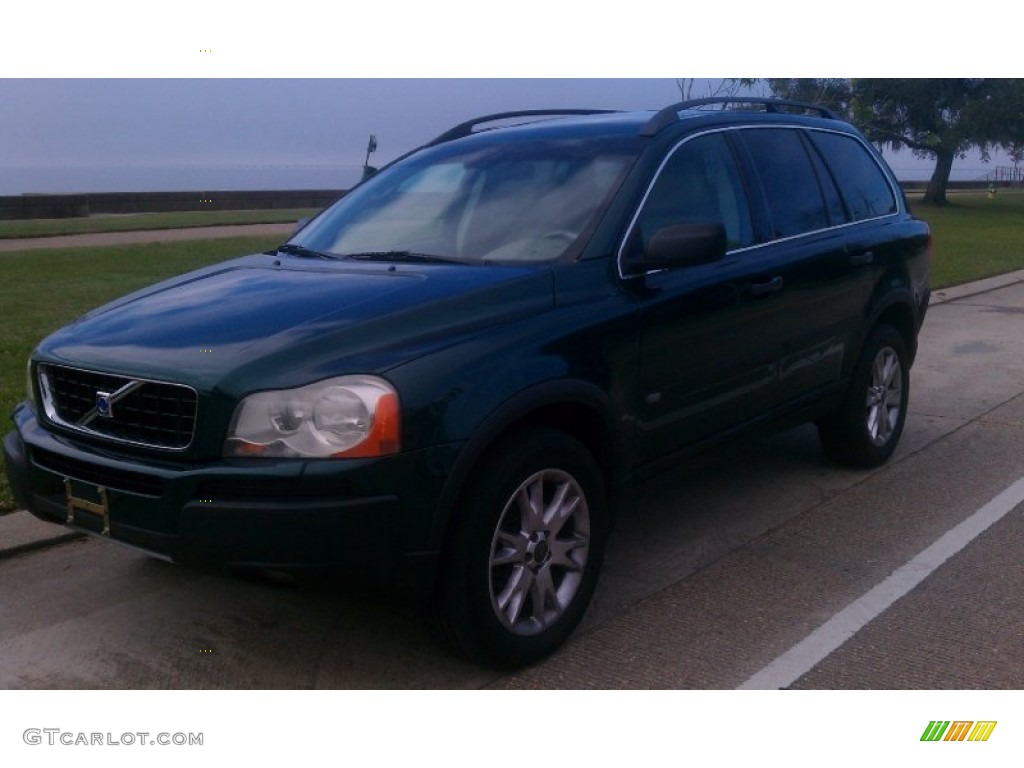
670,114
466,128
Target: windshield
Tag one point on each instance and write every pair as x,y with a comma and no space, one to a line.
500,202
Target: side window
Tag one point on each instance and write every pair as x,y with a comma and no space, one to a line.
699,183
791,189
862,182
833,201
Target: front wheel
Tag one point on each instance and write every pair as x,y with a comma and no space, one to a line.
866,428
525,552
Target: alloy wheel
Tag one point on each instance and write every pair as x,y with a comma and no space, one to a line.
884,396
539,552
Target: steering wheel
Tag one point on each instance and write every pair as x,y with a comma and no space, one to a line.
559,234
534,248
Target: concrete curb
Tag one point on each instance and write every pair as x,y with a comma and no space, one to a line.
21,532
977,287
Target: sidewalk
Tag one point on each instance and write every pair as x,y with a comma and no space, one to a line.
144,236
21,532
978,287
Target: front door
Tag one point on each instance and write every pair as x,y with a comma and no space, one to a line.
709,350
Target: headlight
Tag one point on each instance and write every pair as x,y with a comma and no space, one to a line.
346,417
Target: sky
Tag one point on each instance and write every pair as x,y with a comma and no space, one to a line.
88,135
114,96
126,135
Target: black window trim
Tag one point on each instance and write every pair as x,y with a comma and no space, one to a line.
890,180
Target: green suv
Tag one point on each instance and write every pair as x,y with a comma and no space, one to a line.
446,379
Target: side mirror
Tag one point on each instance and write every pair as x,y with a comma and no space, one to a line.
684,245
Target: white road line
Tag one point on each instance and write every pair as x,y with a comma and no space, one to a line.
806,654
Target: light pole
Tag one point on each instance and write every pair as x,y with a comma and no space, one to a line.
371,147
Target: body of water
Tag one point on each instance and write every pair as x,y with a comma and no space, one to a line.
18,180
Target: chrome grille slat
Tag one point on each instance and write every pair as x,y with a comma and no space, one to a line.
153,414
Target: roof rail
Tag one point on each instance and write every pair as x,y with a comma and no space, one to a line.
466,128
670,114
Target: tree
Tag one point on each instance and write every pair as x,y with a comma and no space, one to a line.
940,118
834,93
728,87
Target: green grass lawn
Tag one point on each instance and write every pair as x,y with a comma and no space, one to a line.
974,236
42,290
137,221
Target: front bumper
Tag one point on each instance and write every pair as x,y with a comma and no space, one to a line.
371,517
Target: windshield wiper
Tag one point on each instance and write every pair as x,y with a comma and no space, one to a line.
300,250
425,258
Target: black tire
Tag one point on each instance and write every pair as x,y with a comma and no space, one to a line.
865,430
514,586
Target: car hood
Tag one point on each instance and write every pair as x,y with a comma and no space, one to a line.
287,321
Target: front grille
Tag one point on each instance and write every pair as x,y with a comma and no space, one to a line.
138,411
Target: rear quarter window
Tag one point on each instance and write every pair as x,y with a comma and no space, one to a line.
861,181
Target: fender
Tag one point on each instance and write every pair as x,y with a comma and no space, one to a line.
520,409
901,299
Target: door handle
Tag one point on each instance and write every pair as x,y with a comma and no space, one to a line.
773,285
862,259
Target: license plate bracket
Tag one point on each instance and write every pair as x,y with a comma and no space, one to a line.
101,508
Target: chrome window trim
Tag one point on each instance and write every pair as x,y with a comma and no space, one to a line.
50,411
889,178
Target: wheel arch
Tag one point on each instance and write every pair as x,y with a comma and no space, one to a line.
896,310
579,409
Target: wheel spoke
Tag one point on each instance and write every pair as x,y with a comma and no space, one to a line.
512,550
531,506
878,370
562,553
884,424
873,415
888,367
542,595
513,595
894,394
561,509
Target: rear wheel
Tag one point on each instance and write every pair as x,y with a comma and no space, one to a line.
866,428
525,553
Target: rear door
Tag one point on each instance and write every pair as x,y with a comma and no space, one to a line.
822,277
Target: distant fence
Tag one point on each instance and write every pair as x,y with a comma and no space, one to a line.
68,206
1005,175
920,186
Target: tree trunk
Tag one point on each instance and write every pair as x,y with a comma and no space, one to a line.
936,191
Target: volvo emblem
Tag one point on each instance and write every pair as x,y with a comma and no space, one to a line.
104,405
